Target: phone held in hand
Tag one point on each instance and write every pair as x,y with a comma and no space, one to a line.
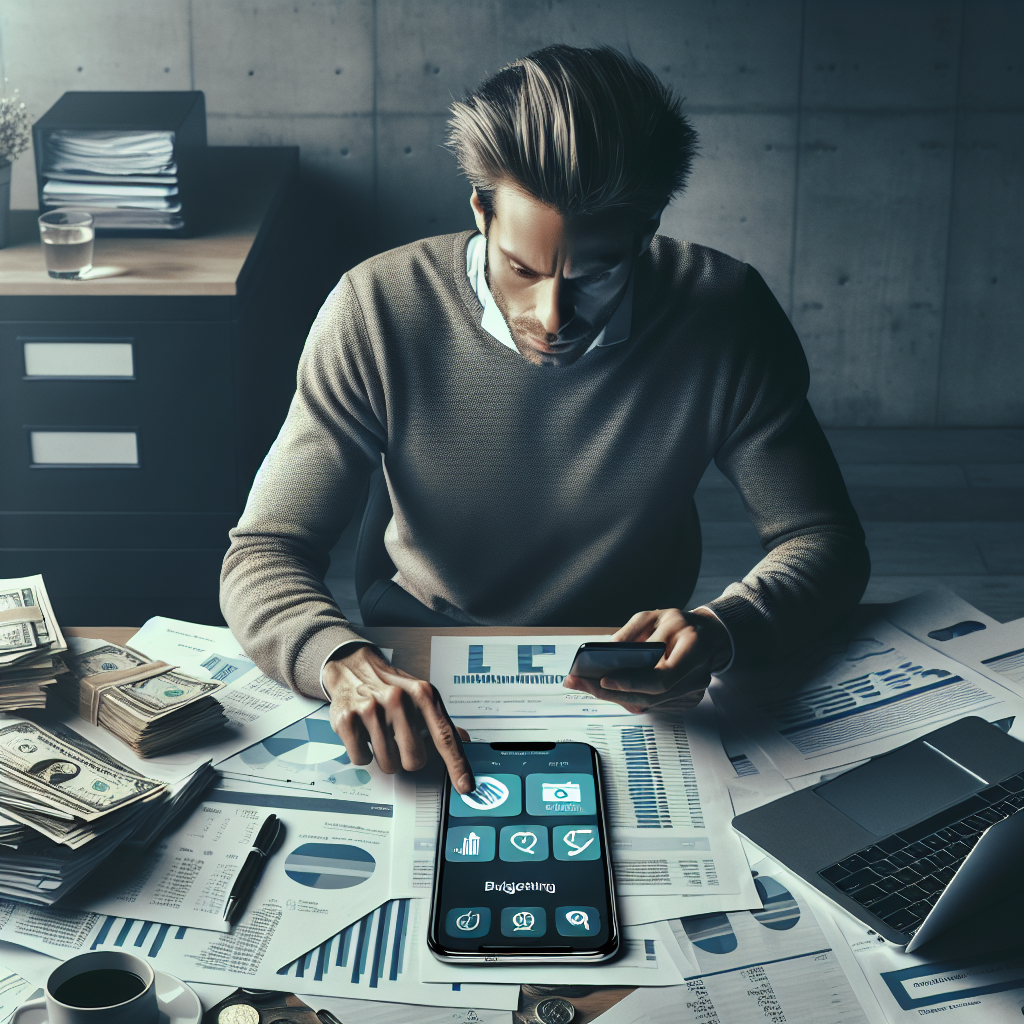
597,660
523,872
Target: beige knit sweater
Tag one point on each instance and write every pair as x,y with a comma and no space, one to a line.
528,495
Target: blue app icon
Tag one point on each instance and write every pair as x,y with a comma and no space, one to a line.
495,796
576,842
564,793
475,842
468,922
577,920
523,842
523,922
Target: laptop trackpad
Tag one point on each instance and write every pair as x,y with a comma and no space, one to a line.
893,791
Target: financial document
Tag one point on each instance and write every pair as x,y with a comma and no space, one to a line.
241,959
520,676
883,689
668,809
771,964
985,988
651,957
23,973
334,862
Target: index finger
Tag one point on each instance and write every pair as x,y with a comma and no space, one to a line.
639,627
442,730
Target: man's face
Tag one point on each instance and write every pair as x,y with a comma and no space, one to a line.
557,281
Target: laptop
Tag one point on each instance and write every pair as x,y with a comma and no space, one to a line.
914,841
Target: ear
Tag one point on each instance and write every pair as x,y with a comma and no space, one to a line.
647,231
478,213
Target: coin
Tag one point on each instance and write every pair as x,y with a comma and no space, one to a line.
555,1011
239,1013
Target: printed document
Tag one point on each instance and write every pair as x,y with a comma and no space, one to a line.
517,676
673,845
333,862
984,988
651,957
881,690
376,962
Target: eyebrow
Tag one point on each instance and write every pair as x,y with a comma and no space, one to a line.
607,262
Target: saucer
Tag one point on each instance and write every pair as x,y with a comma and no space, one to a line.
178,1003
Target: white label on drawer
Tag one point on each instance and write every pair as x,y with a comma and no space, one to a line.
85,448
79,359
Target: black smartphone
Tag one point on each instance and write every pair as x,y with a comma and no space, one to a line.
523,872
597,660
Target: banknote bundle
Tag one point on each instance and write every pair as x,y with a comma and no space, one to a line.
30,644
66,805
147,704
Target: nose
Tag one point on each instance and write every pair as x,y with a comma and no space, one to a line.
555,306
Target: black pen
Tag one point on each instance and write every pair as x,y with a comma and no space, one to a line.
252,869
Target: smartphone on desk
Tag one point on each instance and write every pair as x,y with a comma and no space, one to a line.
523,872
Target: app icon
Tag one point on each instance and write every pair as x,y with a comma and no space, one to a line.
498,796
470,843
468,922
523,842
576,842
524,922
560,791
577,920
569,793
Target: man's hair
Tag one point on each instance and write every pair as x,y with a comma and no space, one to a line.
582,130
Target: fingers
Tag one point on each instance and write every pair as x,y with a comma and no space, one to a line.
442,731
638,629
405,721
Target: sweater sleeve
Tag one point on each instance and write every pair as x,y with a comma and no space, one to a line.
272,590
777,456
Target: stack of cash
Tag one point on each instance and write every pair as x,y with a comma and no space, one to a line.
30,644
146,704
66,805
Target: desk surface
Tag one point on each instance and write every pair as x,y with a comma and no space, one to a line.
411,645
241,189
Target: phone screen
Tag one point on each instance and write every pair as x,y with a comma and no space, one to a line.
523,864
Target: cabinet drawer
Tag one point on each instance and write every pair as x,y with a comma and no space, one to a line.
142,417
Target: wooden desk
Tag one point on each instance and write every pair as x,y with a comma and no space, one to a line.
411,645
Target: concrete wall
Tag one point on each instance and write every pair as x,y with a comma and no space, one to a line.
866,156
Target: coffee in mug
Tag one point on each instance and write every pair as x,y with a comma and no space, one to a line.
105,987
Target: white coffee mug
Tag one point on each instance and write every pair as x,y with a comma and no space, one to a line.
141,1008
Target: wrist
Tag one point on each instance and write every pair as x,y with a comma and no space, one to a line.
330,672
713,635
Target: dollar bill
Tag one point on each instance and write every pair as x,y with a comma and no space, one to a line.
17,638
29,592
154,715
63,777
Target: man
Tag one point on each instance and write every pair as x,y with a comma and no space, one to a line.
545,395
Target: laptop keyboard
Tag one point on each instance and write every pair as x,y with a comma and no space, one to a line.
901,878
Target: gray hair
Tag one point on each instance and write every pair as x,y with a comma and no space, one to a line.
582,130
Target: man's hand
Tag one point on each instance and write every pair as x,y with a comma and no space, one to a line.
376,705
696,645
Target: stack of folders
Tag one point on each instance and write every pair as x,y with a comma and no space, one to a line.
65,805
146,704
30,644
126,180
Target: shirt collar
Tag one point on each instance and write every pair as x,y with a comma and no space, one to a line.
493,322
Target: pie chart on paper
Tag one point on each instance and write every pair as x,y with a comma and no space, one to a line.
307,749
329,865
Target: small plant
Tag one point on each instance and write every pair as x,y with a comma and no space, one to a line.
15,128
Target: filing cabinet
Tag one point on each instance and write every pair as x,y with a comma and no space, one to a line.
135,408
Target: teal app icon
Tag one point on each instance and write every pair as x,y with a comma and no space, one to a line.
523,842
564,793
577,920
495,796
523,922
468,922
470,843
576,842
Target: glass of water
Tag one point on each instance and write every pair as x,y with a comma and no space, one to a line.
67,237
